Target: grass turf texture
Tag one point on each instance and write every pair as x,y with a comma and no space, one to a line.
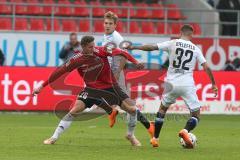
21,138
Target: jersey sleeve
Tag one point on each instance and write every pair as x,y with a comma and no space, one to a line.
118,39
128,56
72,64
200,57
101,51
164,45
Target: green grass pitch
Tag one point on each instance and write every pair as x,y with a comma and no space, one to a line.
21,137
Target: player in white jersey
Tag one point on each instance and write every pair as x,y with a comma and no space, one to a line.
183,55
117,64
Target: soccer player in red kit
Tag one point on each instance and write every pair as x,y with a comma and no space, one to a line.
101,87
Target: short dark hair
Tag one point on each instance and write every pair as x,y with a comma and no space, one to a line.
186,28
73,34
86,40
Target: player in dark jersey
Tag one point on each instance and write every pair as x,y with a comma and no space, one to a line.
101,87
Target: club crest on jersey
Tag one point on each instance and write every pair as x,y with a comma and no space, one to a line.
96,58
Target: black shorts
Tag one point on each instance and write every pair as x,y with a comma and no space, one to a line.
109,96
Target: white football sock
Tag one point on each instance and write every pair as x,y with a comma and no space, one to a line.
132,120
63,125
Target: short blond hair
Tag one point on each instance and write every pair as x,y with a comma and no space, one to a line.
111,15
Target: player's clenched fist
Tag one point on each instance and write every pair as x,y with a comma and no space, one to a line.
215,90
37,90
126,45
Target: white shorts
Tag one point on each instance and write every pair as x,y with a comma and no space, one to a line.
187,93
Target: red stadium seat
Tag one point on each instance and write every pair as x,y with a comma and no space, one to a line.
134,27
21,24
158,12
6,24
97,10
20,7
47,10
175,28
147,27
98,26
124,12
113,5
84,25
197,29
173,12
56,25
34,8
37,24
5,8
160,26
121,27
80,11
63,10
69,25
142,12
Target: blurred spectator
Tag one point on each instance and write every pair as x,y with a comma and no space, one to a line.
236,63
228,66
70,47
229,29
2,58
232,66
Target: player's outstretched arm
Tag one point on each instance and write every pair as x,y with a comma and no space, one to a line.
146,47
210,75
54,76
72,64
128,56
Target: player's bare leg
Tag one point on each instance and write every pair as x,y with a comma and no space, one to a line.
190,125
158,124
66,121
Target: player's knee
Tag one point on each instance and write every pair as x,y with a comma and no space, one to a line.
159,121
132,110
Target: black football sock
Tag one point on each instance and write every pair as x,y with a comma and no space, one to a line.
158,124
142,119
191,123
106,108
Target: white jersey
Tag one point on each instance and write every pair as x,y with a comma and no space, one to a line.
183,55
116,38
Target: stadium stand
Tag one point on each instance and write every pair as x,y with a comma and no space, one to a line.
151,16
69,25
82,11
6,24
21,24
5,8
84,25
55,24
98,26
37,24
124,11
